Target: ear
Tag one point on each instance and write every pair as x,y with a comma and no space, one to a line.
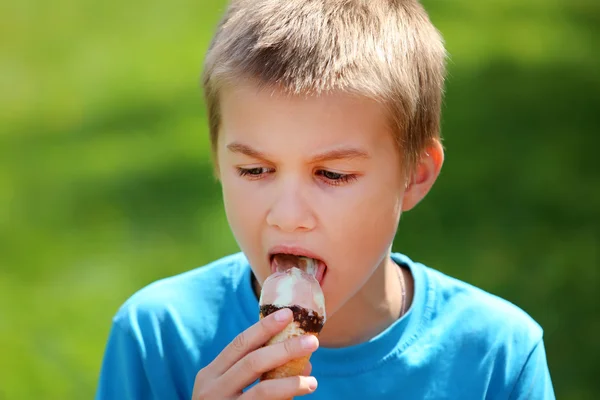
424,175
216,171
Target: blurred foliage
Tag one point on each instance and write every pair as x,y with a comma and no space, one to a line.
106,185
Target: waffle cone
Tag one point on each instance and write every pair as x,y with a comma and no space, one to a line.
293,367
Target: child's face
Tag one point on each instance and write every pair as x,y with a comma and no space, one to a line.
321,174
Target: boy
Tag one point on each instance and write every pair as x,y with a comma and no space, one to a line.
324,120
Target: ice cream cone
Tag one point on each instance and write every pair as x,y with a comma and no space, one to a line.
305,323
299,291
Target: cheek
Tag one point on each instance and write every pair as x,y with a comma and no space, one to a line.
362,228
371,213
241,209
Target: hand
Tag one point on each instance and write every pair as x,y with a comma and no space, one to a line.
244,360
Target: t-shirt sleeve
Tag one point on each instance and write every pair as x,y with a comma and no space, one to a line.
122,373
534,382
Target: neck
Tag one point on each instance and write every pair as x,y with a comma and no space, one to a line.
370,311
375,307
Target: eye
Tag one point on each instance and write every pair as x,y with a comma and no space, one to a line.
335,178
253,173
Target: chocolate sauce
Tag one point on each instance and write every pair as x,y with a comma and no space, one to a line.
310,321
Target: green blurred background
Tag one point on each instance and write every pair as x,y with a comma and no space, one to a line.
106,185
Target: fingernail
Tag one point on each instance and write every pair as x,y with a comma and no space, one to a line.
282,315
312,383
308,341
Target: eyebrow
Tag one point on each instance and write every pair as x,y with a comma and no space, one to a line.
335,154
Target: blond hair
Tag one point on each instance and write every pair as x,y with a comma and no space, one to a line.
387,50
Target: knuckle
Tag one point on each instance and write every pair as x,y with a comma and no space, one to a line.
261,391
201,394
253,364
200,377
290,347
239,343
202,387
267,325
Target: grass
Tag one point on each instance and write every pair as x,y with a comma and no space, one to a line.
106,185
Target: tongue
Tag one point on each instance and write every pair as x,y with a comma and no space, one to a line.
283,262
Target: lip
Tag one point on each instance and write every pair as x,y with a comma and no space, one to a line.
298,251
295,250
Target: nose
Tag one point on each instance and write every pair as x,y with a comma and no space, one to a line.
290,211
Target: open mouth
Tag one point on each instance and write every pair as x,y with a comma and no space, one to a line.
282,261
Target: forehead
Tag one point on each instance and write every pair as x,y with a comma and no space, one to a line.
253,114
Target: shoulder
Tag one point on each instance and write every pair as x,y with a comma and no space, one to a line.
474,318
192,295
480,311
171,327
472,329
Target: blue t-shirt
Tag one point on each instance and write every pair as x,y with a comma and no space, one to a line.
455,342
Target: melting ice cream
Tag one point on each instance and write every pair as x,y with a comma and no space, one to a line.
298,289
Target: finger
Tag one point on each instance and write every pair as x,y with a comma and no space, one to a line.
248,369
251,339
307,370
283,388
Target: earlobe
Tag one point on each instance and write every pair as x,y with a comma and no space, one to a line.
424,176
